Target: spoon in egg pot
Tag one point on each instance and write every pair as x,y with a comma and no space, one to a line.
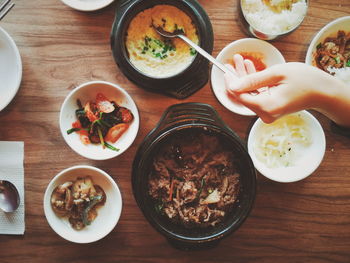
180,34
9,197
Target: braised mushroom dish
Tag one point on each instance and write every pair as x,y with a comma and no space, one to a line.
334,52
78,201
194,180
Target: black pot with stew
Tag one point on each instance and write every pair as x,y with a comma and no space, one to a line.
155,63
193,178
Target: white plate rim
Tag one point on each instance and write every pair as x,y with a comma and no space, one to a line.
13,45
87,6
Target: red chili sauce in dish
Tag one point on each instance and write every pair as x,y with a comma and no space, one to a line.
255,57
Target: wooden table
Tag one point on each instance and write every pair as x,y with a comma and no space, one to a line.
307,221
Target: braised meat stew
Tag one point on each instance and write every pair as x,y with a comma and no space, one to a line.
194,180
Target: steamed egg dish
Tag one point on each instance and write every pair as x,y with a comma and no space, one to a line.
153,54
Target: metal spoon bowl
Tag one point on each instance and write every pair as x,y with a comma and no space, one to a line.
9,197
179,34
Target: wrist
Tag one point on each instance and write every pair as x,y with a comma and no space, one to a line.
333,100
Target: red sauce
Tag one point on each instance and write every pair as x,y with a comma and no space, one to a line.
256,58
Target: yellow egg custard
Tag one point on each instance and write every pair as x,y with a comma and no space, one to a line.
153,54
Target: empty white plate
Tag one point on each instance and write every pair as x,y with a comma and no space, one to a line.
10,69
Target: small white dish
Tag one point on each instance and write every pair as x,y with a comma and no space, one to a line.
87,5
305,165
108,214
87,92
270,54
329,30
10,69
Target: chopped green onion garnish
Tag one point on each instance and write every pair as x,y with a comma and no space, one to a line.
193,51
111,147
101,137
73,130
348,63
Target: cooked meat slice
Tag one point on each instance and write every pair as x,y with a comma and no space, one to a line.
188,192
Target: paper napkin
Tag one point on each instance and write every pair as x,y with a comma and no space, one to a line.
11,169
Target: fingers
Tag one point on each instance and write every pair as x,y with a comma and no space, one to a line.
239,65
264,78
231,68
249,66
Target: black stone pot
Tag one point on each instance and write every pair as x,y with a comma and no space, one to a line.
176,119
185,83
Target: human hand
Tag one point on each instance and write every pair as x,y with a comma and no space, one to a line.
291,87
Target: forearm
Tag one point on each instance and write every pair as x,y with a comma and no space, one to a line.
335,101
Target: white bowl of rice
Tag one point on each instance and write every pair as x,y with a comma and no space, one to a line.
330,31
269,19
289,149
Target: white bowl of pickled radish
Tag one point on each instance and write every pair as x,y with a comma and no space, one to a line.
289,149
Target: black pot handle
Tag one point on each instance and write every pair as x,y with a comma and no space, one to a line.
191,112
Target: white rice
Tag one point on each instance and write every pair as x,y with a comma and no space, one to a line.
263,19
341,73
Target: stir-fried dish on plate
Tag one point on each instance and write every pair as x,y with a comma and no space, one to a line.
334,52
194,180
101,122
78,200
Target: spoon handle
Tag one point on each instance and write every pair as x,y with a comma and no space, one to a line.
205,54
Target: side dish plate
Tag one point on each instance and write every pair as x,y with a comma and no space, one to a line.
270,56
305,165
87,5
329,30
10,69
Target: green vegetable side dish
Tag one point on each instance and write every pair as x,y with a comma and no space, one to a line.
101,122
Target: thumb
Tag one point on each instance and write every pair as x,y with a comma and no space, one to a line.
252,82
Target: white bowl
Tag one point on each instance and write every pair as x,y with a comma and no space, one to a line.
87,5
10,69
305,165
330,30
271,57
87,92
108,214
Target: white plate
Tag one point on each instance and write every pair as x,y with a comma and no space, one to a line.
108,214
271,56
330,30
87,92
305,165
87,5
10,69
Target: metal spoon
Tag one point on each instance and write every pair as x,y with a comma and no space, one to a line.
179,34
9,197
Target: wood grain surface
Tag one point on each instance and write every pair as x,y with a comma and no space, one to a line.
307,221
